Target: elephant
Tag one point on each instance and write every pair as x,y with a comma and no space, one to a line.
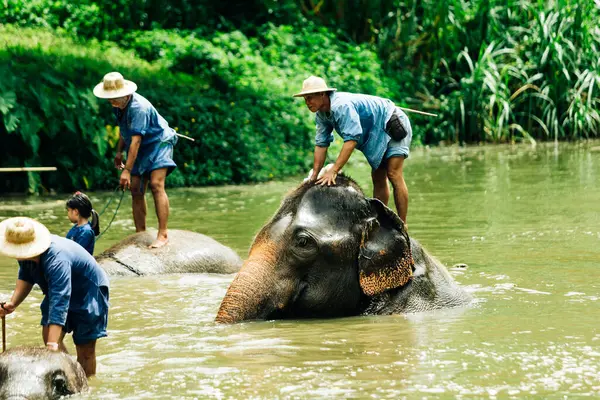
38,373
186,252
328,252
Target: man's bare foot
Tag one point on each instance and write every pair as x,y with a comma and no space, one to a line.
159,242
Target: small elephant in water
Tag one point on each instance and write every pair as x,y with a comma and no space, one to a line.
186,252
40,374
331,252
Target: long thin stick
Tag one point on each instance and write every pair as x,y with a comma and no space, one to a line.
27,169
186,137
3,334
418,112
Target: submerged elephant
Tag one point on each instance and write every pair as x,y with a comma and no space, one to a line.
40,374
186,252
331,252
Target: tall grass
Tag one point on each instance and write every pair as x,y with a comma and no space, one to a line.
496,70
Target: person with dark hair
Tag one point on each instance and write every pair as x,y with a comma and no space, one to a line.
84,232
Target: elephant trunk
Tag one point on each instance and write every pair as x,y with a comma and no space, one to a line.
250,295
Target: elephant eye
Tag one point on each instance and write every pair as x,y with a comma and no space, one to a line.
304,242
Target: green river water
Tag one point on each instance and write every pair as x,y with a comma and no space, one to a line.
526,221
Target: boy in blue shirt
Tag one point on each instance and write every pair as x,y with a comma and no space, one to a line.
84,232
75,286
371,124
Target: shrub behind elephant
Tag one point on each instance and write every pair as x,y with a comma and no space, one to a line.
331,252
37,373
186,252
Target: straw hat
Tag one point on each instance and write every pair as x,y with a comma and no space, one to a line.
114,86
22,237
314,84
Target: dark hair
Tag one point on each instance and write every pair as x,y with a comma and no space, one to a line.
80,202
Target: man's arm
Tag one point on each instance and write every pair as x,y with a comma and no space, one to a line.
58,275
320,156
345,154
120,145
119,155
22,290
329,177
132,153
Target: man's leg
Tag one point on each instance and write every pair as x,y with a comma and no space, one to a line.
395,174
138,202
61,344
86,356
161,203
381,190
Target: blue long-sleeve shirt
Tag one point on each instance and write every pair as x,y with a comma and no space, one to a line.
358,117
84,235
66,273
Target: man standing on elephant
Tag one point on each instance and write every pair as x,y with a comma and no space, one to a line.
149,141
373,125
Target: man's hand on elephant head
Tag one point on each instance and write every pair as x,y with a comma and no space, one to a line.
328,178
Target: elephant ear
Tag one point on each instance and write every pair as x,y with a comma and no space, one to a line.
385,260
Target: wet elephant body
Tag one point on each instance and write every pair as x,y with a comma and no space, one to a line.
186,252
39,374
332,252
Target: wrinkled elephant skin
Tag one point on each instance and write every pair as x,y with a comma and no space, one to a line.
332,252
186,252
38,374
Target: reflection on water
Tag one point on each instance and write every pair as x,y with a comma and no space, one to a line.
525,220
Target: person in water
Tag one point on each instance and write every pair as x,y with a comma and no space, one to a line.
149,142
84,232
76,288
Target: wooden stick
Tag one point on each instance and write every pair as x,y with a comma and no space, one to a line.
186,137
27,169
418,112
3,334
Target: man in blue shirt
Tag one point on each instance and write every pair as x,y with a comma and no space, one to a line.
371,124
74,285
149,141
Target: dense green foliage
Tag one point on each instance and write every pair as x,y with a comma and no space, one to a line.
223,73
231,93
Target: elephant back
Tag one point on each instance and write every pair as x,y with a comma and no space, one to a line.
186,252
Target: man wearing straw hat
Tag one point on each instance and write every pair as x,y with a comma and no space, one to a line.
149,141
371,124
74,285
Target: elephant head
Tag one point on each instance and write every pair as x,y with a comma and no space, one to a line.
37,373
328,252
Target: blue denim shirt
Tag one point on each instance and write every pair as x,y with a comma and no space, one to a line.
66,274
84,235
140,118
358,117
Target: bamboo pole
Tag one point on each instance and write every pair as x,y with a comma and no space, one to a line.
418,112
27,169
186,137
3,334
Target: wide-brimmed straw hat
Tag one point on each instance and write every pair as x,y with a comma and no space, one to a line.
114,86
22,237
314,84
